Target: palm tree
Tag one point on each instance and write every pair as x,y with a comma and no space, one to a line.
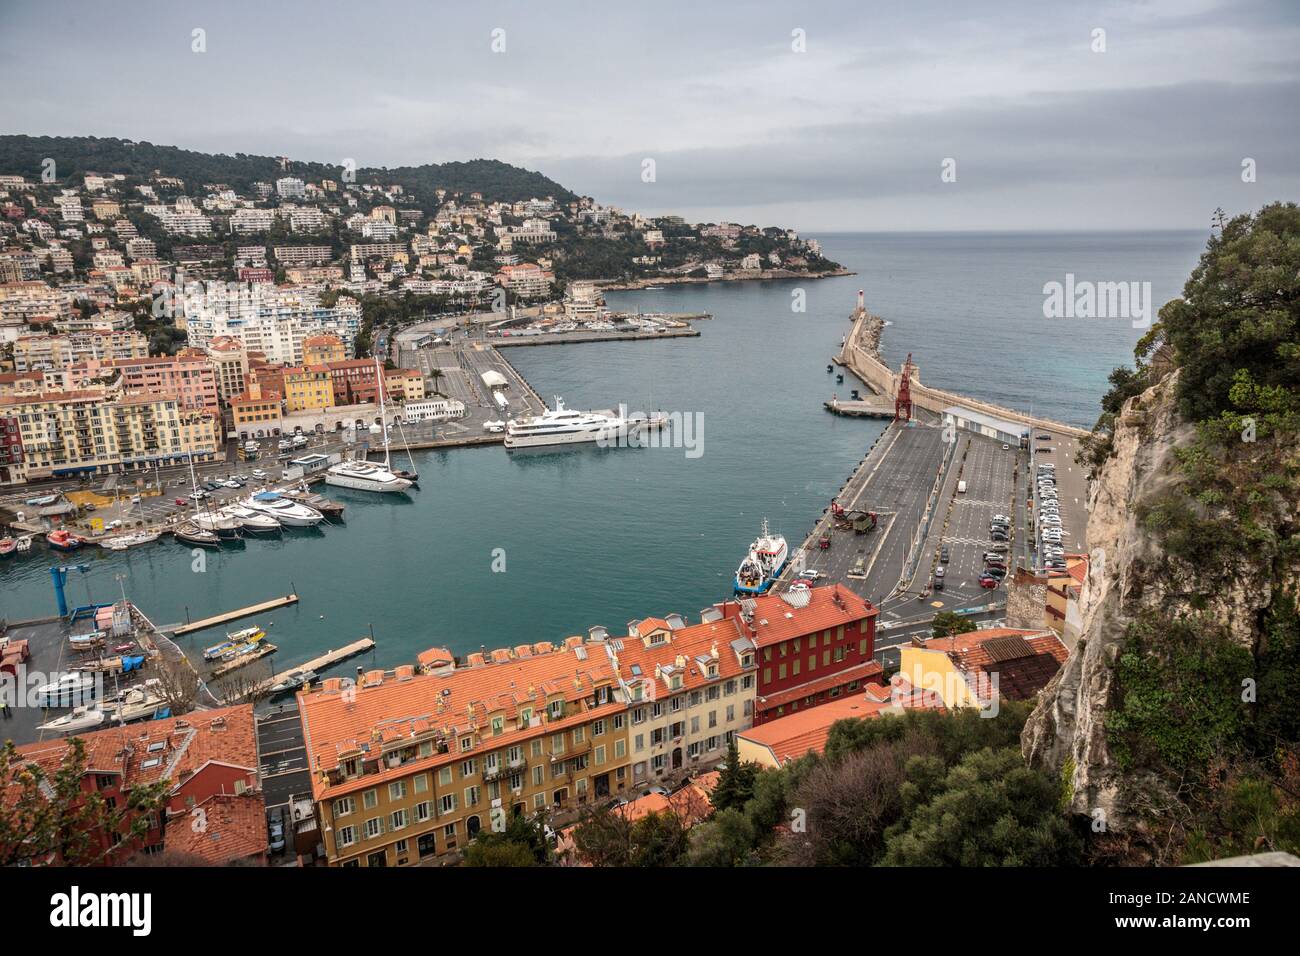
436,374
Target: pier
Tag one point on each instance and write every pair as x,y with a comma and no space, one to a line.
879,408
574,338
242,661
235,615
316,664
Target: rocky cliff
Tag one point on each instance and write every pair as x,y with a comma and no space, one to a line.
1128,573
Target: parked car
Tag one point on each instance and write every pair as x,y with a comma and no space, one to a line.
943,554
199,495
988,581
259,474
275,833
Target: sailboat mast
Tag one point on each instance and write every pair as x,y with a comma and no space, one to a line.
379,379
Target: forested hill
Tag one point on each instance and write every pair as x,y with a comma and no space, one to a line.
75,155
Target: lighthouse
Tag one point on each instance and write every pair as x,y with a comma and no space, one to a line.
862,300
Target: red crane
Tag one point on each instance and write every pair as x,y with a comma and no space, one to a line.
903,403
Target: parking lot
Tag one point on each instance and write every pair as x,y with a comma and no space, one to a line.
1048,447
283,755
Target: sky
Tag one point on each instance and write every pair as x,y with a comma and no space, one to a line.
835,116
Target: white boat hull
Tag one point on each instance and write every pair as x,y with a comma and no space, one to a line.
361,483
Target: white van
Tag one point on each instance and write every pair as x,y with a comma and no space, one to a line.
961,487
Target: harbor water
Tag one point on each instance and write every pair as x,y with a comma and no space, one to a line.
499,548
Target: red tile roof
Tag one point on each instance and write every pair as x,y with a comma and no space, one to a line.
1020,676
233,828
776,620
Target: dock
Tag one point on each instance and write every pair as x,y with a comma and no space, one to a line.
235,615
316,664
879,408
242,661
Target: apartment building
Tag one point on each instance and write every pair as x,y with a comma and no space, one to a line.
322,349
60,351
11,449
100,431
408,766
527,279
690,689
25,301
290,187
190,379
308,387
229,361
303,255
256,412
247,222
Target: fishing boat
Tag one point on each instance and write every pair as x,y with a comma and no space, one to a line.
8,546
70,690
293,682
24,544
120,542
249,635
288,512
86,642
763,564
63,540
563,426
86,717
250,520
190,533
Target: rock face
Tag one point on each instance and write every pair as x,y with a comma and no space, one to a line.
1066,734
1128,573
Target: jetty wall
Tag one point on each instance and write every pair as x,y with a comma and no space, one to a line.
860,355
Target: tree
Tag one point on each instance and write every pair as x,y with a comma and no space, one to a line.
179,683
989,810
437,375
524,842
735,782
727,839
48,816
947,623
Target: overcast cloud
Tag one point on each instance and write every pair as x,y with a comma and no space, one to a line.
850,134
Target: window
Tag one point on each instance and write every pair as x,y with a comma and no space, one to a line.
422,812
370,799
599,755
639,744
657,762
713,719
695,725
729,688
343,806
555,709
498,726
620,749
862,646
598,729
466,743
579,735
539,775
638,715
780,672
537,747
731,712
767,675
539,801
468,768
826,658
444,777
794,667
374,827
618,721
421,783
347,836
397,790
812,663
472,796
400,819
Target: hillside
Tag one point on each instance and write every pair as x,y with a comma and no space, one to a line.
75,155
1174,725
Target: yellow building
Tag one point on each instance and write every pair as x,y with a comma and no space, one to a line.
323,349
979,668
404,385
406,766
306,388
256,413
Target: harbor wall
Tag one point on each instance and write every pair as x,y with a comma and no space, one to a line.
866,364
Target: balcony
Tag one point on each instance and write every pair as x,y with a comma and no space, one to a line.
517,765
491,773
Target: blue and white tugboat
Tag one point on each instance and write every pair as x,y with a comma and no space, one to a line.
763,565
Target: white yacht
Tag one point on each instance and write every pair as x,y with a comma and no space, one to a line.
250,520
291,513
369,475
562,426
70,690
365,476
218,522
85,717
131,539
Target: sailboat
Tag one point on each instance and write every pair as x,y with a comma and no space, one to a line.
214,522
365,475
412,475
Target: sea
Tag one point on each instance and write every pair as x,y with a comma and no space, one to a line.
498,549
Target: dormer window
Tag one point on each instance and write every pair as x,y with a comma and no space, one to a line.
556,709
498,726
466,743
713,671
675,682
525,717
747,660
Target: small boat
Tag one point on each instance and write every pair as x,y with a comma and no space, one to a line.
219,523
25,544
326,506
8,546
121,542
250,520
86,642
86,717
248,636
190,533
43,500
63,540
293,682
70,690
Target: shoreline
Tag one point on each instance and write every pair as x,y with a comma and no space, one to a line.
766,275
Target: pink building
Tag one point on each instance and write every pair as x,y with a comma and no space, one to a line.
192,380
